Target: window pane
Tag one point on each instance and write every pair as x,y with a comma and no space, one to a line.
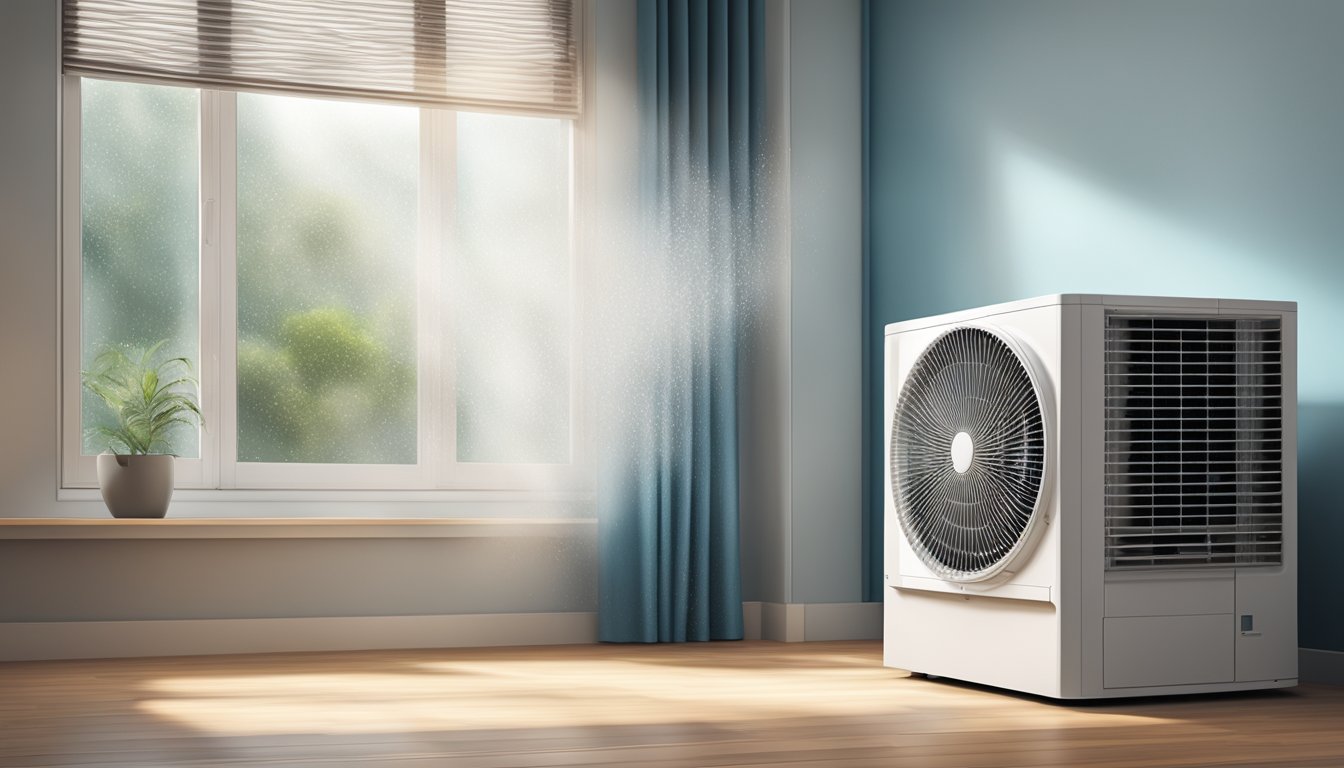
327,196
138,161
511,296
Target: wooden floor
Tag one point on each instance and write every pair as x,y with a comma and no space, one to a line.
753,703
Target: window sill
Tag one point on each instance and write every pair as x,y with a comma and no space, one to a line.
292,528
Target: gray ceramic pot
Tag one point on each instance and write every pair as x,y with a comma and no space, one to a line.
136,486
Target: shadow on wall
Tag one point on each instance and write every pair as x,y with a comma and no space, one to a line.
1320,446
1051,146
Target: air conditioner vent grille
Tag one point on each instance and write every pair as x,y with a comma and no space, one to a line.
968,452
1194,441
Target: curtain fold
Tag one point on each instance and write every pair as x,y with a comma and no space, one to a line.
504,55
668,506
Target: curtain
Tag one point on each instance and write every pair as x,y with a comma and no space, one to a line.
668,498
504,55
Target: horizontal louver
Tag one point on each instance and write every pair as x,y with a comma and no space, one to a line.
1194,441
519,56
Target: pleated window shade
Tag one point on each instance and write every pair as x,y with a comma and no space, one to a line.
517,56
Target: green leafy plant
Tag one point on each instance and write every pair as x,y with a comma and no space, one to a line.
148,395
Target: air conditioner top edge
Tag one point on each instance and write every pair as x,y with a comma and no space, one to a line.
1128,302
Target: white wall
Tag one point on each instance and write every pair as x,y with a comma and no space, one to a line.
28,140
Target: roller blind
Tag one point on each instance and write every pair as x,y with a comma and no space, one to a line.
504,55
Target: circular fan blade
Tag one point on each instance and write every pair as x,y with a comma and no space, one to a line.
968,455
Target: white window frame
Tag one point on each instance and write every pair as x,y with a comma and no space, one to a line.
436,467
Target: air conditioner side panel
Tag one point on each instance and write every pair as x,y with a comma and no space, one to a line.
1073,594
1087,376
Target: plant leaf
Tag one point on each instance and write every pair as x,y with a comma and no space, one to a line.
147,398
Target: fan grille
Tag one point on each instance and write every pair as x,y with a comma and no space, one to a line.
968,455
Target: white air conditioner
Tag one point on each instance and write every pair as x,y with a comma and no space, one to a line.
1094,496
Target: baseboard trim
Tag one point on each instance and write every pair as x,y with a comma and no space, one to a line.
1319,666
751,620
198,637
782,622
33,641
810,622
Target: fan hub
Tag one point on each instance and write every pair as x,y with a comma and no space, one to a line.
963,451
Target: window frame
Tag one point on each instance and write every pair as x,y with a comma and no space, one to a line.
436,467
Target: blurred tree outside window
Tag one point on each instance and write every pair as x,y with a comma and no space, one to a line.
327,194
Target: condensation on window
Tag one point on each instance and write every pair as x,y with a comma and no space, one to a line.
138,178
509,287
326,243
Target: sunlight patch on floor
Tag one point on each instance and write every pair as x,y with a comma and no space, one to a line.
502,693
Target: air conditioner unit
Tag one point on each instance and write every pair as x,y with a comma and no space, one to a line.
1094,496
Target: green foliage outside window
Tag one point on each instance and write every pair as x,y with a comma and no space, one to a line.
328,198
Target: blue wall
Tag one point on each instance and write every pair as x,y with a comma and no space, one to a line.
1154,147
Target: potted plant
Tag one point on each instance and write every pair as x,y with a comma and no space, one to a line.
148,396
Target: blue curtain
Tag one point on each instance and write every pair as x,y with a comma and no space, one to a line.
668,498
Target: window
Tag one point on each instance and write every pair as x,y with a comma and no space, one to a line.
373,296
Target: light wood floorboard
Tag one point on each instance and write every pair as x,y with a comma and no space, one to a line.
733,704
